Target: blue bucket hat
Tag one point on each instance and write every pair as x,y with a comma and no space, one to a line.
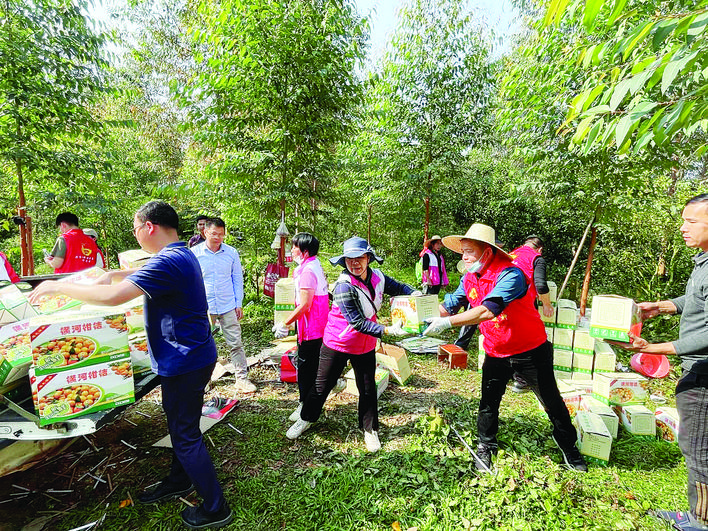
353,248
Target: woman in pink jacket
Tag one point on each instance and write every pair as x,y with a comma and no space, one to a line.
350,335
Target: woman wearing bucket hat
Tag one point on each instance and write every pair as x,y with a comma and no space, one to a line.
350,335
514,340
434,274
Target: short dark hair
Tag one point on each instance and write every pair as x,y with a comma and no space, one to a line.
67,217
199,218
158,213
306,242
215,222
702,198
535,241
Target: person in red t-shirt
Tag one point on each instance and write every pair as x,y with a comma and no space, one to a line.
73,250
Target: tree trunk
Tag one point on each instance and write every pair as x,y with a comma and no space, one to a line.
26,264
426,227
588,269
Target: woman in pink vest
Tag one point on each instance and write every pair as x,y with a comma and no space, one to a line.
350,335
310,313
434,272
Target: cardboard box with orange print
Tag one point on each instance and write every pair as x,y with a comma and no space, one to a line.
619,388
667,423
413,311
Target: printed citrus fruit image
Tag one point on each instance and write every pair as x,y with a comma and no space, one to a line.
52,303
15,347
117,321
69,400
63,351
122,368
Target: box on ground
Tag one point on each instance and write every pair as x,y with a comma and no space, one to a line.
66,395
605,357
606,413
395,360
76,339
15,351
582,365
549,332
548,321
563,361
614,317
412,311
581,385
570,395
284,300
619,388
381,377
594,439
667,423
638,420
133,259
452,355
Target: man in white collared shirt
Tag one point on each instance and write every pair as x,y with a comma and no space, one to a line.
223,281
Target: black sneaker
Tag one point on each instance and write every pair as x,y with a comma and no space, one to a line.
483,463
164,491
197,518
678,519
572,457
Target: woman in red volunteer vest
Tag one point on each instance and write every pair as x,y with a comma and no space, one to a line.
350,335
73,250
514,340
434,272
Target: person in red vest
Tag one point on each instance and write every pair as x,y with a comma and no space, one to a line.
73,250
528,258
514,340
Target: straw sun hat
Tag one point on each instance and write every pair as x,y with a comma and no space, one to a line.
477,232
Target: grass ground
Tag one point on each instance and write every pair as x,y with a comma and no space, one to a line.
423,479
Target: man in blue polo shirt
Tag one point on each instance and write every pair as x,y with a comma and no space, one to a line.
181,349
223,281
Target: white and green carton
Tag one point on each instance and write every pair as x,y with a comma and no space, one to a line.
667,423
548,321
606,413
563,338
638,420
381,377
15,351
69,394
552,291
583,342
549,332
582,365
619,388
563,362
69,340
594,439
614,317
605,357
566,314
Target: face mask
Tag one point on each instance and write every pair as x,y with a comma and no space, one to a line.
479,264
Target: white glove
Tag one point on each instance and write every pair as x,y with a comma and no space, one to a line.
395,329
416,293
280,330
437,325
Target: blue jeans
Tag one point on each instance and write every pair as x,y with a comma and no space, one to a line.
536,367
182,399
692,406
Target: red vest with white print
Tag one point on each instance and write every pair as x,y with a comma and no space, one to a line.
523,258
81,252
339,334
518,328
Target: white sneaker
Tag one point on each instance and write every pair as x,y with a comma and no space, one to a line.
371,438
295,415
245,385
298,428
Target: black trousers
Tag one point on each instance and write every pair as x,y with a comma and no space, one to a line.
308,354
332,362
536,367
